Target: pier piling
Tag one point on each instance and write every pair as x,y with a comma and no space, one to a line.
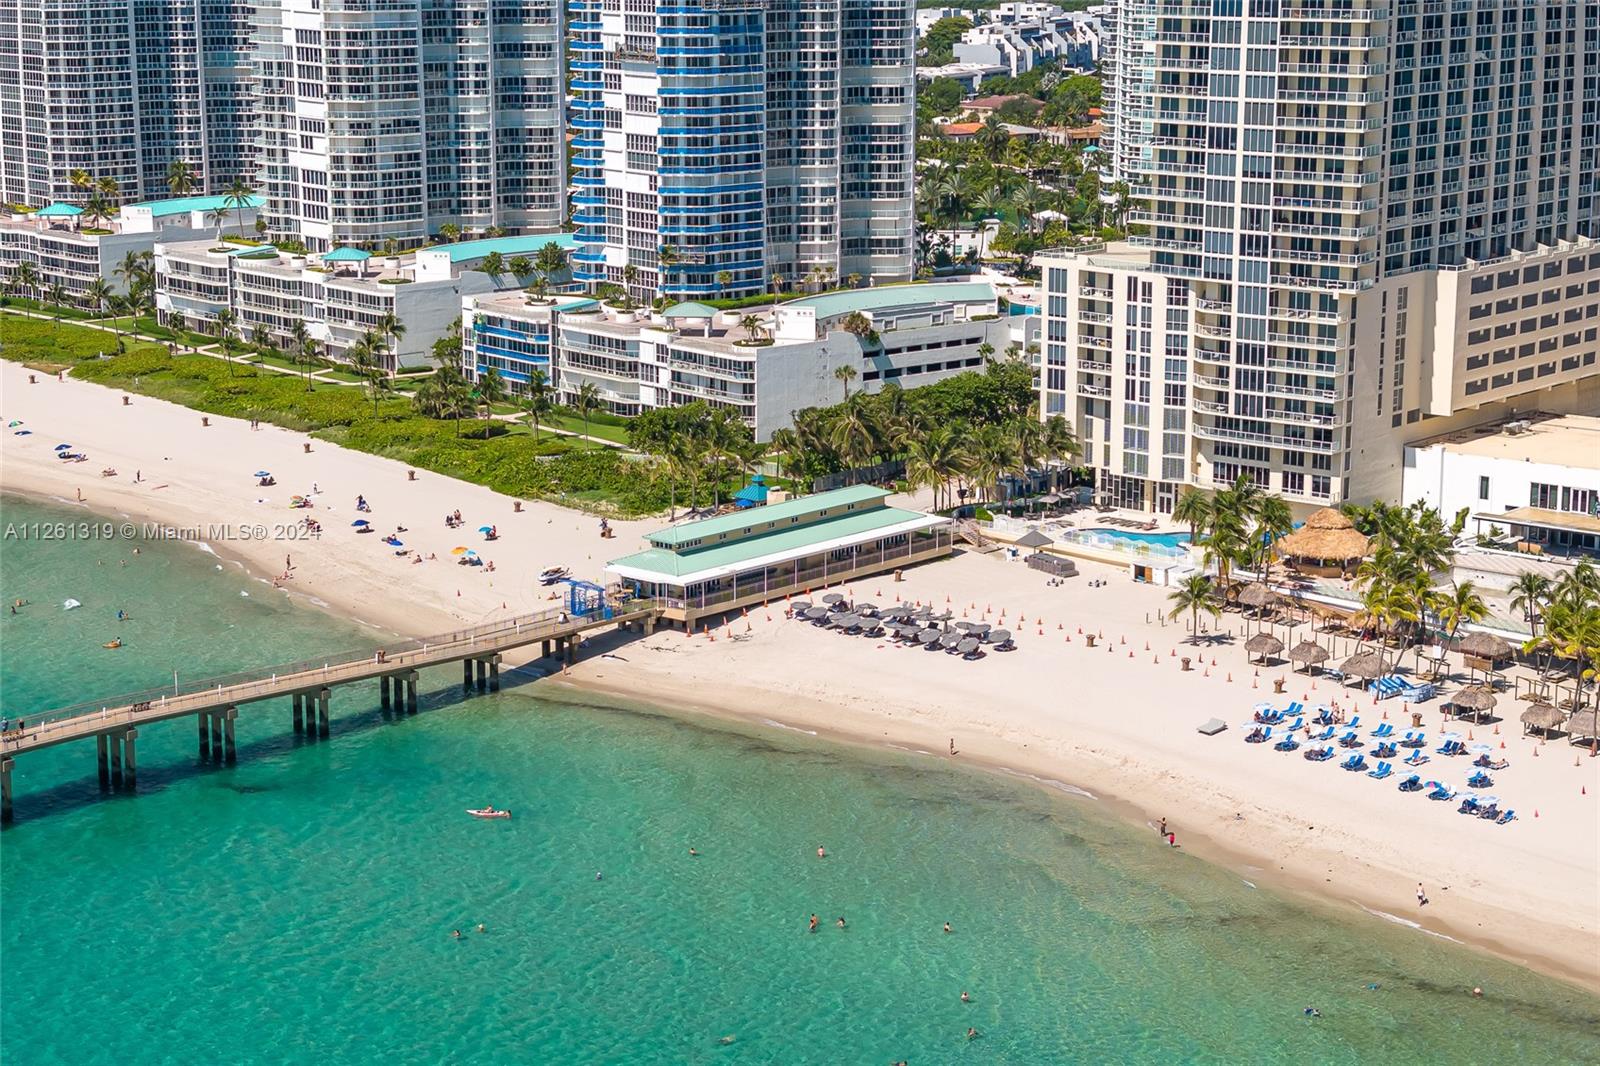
216,736
205,735
383,691
130,776
544,649
322,712
5,789
466,676
105,761
494,674
411,692
299,713
116,761
230,753
481,669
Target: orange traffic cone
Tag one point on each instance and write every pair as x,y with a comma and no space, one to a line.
1253,683
1207,673
1130,654
1230,677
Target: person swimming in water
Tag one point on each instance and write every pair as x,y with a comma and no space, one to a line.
1312,1012
947,927
481,929
973,1034
840,923
693,853
822,852
965,998
455,934
813,923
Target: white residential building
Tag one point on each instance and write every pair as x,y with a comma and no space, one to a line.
753,140
64,254
1330,199
120,90
338,296
639,361
1019,45
1536,478
386,122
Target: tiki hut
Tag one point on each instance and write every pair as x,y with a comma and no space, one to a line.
1585,725
1259,596
1264,645
1308,652
1362,665
1541,717
1474,701
1485,646
1328,542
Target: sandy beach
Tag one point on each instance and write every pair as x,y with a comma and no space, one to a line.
1117,722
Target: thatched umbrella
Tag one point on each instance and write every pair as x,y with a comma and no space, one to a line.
1365,665
1327,536
1543,717
1263,644
1584,724
1308,652
1485,646
1474,700
1258,595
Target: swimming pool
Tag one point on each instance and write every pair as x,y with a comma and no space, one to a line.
1128,542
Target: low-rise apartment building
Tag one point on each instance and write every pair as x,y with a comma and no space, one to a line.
786,361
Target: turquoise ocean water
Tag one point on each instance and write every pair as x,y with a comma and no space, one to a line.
297,907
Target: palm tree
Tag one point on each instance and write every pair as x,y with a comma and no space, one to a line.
1271,520
783,444
1530,593
108,188
366,358
491,390
96,294
520,266
854,435
724,279
391,329
993,138
587,402
450,231
1192,597
57,297
95,209
238,195
225,322
220,217
261,340
494,265
668,257
751,326
80,180
540,401
550,261
853,280
25,275
180,177
302,349
932,459
1461,604
845,374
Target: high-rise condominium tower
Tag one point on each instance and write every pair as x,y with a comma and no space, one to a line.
388,119
120,89
742,140
1335,201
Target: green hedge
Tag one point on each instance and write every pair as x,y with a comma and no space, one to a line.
33,340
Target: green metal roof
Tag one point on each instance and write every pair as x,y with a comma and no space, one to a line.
873,299
707,530
525,244
58,210
690,309
254,251
185,204
789,540
346,255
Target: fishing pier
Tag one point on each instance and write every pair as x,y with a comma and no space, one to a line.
114,723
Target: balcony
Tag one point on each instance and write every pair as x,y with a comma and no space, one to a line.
1210,432
1093,293
1086,389
1089,340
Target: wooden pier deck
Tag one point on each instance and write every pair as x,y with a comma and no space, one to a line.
115,721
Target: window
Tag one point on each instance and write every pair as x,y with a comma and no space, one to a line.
1483,488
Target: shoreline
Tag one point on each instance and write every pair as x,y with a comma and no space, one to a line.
1119,727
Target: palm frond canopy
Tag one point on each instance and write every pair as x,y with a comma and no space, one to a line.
1263,644
1485,646
1544,716
1474,698
1258,596
1327,534
1584,724
1308,652
1364,664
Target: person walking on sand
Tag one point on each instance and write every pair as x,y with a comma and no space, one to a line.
1163,830
1422,895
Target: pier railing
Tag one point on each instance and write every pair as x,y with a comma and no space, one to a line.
246,685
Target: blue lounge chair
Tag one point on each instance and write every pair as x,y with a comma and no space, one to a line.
1349,740
1387,687
1386,751
1383,771
1323,717
1416,758
1468,806
1510,815
1295,707
1326,734
1260,735
1419,693
1384,730
1440,791
1414,739
1488,811
1411,784
1450,747
1296,725
1355,762
1288,743
1480,780
1319,754
1353,723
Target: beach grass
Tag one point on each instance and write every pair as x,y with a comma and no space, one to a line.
507,458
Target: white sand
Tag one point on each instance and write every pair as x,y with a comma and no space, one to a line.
1121,727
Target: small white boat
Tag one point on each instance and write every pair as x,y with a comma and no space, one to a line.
552,574
70,604
488,812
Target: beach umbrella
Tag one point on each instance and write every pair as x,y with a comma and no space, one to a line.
1366,664
1264,645
263,473
459,549
1258,596
471,552
395,543
361,522
967,646
928,636
485,529
866,608
63,447
998,636
816,613
951,640
833,597
1033,539
14,423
